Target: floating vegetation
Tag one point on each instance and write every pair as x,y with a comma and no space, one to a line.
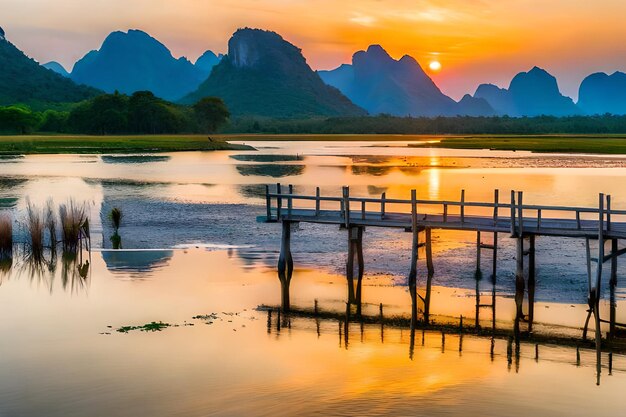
149,327
134,159
74,226
8,202
6,236
266,158
207,318
269,170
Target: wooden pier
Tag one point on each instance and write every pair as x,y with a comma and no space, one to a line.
522,222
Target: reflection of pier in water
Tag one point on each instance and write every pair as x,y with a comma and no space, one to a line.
522,222
351,330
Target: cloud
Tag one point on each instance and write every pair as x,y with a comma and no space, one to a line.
363,20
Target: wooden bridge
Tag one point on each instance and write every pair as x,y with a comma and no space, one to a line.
522,222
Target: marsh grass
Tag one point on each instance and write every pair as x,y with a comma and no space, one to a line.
6,236
74,226
35,228
51,224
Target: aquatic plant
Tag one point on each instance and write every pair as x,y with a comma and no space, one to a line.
116,220
51,223
35,228
74,226
149,327
6,236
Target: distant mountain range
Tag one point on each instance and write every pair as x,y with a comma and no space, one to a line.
134,61
531,93
381,84
264,75
56,67
601,93
24,81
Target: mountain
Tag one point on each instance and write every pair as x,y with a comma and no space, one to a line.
499,98
532,93
601,93
264,75
23,80
56,67
134,61
206,62
473,106
381,84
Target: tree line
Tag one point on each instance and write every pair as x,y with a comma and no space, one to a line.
109,114
144,113
462,125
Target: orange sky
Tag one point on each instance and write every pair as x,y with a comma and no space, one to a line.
475,40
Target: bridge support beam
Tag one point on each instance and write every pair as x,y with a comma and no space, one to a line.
531,282
355,250
285,265
519,288
431,272
412,281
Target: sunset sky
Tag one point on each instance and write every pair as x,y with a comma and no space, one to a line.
475,41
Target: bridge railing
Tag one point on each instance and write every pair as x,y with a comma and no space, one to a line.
280,205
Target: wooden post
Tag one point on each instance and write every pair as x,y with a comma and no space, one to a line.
520,213
478,251
350,268
462,206
279,201
608,212
513,231
519,287
360,265
268,203
612,285
317,201
413,270
445,212
363,210
383,197
496,197
346,206
596,295
285,265
494,269
431,273
539,219
290,201
531,282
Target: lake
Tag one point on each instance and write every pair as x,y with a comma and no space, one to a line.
196,258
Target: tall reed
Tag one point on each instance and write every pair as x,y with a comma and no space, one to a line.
51,223
6,236
35,228
74,225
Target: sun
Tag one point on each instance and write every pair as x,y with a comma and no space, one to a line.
434,65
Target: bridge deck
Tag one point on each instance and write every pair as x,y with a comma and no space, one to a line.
518,218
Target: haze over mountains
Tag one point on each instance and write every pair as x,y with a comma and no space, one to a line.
264,75
382,85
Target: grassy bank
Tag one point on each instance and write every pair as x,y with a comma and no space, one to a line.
601,144
16,145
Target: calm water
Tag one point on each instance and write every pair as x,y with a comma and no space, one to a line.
196,213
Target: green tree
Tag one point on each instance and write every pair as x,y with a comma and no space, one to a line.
54,121
20,119
211,113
